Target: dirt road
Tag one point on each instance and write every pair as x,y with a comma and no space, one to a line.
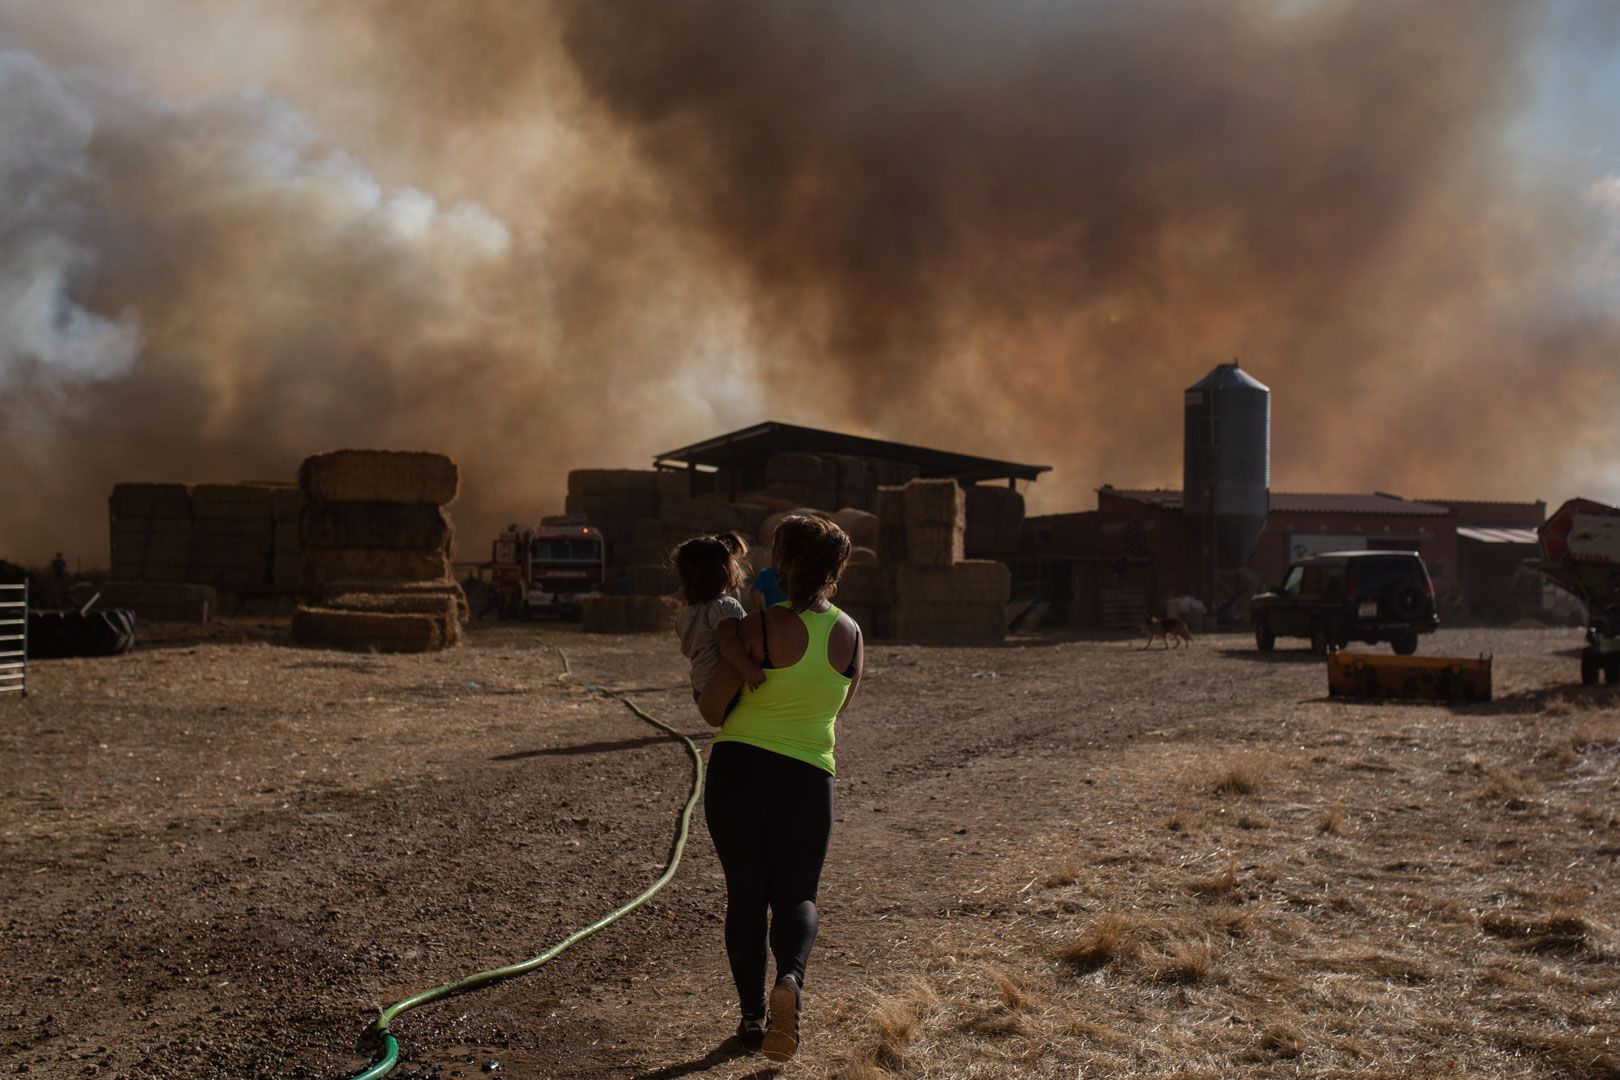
1053,858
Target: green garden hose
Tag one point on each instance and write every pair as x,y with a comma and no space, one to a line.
390,1045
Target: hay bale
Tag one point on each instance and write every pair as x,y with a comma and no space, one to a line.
803,494
891,515
286,504
866,583
379,630
380,476
706,514
158,602
445,587
936,623
286,556
672,486
150,500
651,579
859,555
640,482
865,616
861,525
895,473
627,614
371,565
416,526
936,519
857,482
598,508
233,501
976,581
935,502
440,605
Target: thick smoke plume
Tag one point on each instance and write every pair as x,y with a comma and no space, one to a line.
1031,224
542,237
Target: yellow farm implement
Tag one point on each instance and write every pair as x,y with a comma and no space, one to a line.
1422,678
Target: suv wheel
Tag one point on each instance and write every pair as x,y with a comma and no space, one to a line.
1319,638
1408,601
1589,667
1264,639
1405,645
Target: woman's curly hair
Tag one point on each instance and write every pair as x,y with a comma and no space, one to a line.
810,554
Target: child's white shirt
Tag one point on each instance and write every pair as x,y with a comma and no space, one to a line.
695,624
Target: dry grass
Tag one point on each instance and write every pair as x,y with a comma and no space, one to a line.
1501,784
1245,776
1113,937
1218,887
1302,946
890,1026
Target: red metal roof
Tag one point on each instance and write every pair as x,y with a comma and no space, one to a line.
1284,502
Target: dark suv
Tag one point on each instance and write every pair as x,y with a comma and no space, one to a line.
1346,596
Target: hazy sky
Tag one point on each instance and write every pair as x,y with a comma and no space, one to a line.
547,236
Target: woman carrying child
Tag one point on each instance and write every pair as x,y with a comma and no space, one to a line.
769,802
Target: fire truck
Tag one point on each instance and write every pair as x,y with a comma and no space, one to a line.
546,568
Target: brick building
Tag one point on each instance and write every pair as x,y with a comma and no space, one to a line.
1113,566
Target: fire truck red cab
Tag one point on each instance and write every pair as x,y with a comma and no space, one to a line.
549,568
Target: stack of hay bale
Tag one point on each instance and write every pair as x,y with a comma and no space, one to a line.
376,543
151,531
642,514
233,535
922,589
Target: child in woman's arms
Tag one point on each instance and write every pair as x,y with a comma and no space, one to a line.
711,572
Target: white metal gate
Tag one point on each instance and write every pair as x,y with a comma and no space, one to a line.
14,639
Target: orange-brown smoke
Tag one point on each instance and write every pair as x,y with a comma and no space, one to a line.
547,236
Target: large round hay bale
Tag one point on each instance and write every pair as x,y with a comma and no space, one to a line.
383,631
861,525
406,476
371,565
418,526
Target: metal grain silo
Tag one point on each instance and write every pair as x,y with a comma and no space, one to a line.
1227,463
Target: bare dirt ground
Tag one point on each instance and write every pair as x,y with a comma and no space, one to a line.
220,855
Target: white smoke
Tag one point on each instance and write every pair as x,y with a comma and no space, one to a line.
101,178
47,177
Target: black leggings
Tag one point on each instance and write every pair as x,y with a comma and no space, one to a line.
769,816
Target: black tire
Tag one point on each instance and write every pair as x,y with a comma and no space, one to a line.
1611,669
1409,601
1405,645
1264,639
1589,667
1320,641
57,634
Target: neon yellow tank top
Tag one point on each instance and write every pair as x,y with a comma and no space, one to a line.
793,713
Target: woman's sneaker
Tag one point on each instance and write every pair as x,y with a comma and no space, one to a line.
751,1031
782,1037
